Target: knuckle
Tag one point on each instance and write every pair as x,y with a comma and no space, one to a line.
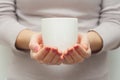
81,60
46,61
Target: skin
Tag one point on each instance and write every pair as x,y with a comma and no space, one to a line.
87,43
29,40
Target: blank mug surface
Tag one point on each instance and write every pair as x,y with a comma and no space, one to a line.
59,32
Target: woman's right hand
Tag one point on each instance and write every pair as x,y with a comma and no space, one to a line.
43,54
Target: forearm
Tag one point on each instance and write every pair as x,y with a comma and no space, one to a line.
23,39
95,40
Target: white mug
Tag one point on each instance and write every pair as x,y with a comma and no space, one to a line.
59,32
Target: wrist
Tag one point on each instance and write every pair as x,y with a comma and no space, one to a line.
95,40
23,39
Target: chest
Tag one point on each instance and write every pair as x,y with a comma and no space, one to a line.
33,5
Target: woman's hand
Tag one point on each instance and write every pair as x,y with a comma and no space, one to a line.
43,54
30,40
79,52
88,43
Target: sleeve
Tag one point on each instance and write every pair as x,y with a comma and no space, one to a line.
9,26
109,27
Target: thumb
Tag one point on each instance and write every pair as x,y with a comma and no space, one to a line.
84,46
34,47
36,42
85,42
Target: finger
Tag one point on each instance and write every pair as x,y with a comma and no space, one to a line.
56,59
68,59
35,41
85,46
82,51
34,47
41,54
76,57
89,51
65,62
59,62
79,38
85,42
50,56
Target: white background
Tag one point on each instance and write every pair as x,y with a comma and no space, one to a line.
114,63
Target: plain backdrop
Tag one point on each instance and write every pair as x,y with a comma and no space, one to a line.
113,57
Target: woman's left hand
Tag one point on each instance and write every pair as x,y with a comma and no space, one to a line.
79,52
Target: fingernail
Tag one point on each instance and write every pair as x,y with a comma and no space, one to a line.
59,54
47,49
69,52
76,47
54,50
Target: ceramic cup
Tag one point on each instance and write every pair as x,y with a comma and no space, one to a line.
59,32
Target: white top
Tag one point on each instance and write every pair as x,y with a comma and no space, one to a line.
103,16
